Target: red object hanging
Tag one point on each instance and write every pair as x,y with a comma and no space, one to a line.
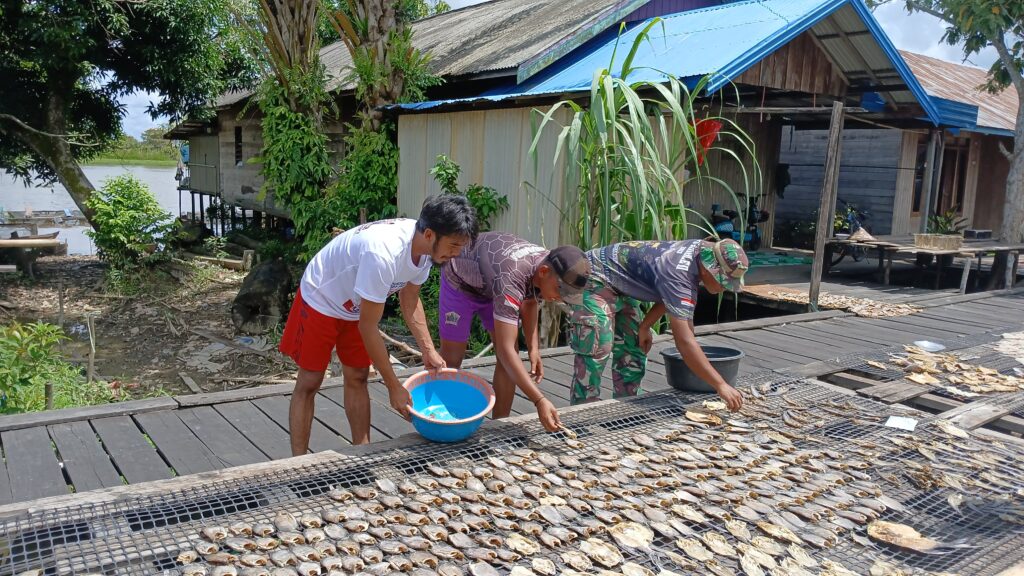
707,131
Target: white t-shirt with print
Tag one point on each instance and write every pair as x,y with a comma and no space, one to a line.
370,262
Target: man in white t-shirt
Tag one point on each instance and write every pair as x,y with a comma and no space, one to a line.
340,302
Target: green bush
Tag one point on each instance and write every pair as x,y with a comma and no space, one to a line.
28,361
487,202
130,226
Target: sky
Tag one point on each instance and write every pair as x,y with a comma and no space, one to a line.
917,33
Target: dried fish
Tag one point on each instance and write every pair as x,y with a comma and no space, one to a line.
900,535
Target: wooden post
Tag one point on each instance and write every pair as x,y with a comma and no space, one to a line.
247,259
968,261
826,209
48,394
90,372
930,177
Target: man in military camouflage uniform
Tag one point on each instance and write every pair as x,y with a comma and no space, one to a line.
610,323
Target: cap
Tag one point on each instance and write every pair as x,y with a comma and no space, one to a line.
573,270
726,261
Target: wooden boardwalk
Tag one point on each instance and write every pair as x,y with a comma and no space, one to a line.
53,453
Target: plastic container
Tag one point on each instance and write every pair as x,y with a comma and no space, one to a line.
450,406
723,359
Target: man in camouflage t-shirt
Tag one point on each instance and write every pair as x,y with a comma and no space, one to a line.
501,279
609,322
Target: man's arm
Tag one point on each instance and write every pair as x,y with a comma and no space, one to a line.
505,335
530,315
416,319
646,335
370,314
693,356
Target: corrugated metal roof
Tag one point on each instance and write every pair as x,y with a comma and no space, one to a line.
724,41
996,112
486,37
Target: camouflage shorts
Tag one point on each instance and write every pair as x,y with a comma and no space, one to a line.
605,325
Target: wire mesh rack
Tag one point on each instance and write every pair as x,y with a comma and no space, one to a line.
143,534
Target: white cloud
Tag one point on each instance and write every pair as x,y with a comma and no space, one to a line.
917,33
922,33
137,119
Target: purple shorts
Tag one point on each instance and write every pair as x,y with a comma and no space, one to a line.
456,310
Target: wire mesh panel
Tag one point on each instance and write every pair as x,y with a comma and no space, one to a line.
816,433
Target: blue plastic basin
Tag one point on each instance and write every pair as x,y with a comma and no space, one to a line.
449,407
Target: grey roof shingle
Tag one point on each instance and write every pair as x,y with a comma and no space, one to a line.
493,36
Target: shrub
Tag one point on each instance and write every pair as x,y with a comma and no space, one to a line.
28,361
487,202
130,226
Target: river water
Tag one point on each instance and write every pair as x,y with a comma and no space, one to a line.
15,196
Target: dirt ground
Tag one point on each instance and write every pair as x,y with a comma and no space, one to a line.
146,343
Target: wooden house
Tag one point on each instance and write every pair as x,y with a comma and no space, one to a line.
787,60
886,172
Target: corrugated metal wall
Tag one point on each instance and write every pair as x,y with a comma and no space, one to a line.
492,148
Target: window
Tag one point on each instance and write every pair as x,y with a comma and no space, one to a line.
238,145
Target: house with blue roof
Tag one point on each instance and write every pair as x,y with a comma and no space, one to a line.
885,172
783,63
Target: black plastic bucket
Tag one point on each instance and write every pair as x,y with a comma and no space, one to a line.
725,360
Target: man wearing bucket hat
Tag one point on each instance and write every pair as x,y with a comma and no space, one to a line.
501,278
609,322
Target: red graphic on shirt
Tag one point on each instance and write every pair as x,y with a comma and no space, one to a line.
688,302
349,306
513,302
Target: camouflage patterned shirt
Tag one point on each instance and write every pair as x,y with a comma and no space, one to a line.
653,271
499,267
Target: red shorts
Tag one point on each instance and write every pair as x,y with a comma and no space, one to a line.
309,337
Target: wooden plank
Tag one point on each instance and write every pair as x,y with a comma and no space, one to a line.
918,320
383,419
32,465
227,443
190,383
85,461
5,485
178,445
520,404
794,347
895,392
332,415
124,493
815,338
133,455
911,328
320,437
976,414
767,355
208,398
15,421
257,427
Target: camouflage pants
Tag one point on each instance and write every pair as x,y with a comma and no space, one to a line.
606,325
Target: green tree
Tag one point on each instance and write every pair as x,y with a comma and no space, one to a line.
978,24
65,64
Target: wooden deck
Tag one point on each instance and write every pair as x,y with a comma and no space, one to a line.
53,453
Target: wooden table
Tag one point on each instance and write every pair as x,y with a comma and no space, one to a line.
889,246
